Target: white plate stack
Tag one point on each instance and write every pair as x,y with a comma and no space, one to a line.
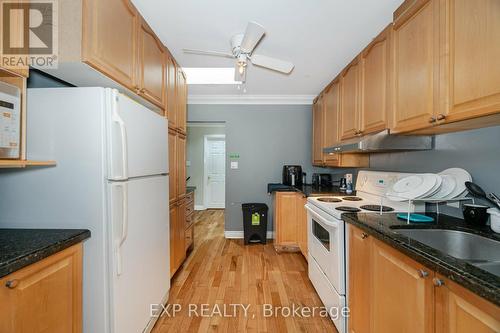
447,185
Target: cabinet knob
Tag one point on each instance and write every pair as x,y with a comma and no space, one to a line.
11,284
364,236
422,273
432,120
142,91
441,116
438,282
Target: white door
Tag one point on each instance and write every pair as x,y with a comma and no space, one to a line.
140,257
215,171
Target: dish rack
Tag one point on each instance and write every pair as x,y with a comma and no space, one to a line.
435,201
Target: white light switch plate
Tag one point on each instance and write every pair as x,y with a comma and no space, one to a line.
188,163
234,165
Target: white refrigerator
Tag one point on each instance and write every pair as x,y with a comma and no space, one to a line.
112,178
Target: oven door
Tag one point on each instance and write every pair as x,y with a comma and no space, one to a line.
327,245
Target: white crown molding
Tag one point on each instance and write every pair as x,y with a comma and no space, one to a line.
239,234
252,99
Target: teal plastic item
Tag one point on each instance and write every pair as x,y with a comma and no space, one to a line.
419,218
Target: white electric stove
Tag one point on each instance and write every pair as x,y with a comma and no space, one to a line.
327,239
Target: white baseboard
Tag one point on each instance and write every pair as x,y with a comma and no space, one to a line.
199,207
239,234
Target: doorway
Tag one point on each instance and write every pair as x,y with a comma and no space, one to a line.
214,178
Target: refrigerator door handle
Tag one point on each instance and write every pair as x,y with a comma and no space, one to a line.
123,139
124,228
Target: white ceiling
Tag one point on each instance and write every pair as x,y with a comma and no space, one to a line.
319,36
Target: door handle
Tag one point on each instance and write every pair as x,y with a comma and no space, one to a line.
123,138
124,228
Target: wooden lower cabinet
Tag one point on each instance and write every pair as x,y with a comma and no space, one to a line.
460,311
290,222
177,236
389,292
45,296
402,296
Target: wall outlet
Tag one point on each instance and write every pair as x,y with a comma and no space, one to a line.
455,204
234,165
188,163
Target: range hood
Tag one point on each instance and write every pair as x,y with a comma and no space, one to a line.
382,142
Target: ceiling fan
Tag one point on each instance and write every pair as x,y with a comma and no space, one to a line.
242,46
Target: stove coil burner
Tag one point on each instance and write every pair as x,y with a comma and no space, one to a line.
348,209
377,208
352,198
327,199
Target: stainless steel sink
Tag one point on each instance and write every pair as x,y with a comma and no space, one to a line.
478,251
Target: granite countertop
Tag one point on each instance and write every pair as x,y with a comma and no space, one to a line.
190,189
384,227
22,247
308,190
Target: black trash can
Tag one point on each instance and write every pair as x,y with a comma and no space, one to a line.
255,222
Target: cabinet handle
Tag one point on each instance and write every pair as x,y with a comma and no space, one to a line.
432,120
364,236
11,284
422,273
142,91
441,116
438,282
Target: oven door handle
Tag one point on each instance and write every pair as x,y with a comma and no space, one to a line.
330,223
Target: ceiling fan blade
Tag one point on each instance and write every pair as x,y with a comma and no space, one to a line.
272,63
240,77
253,35
210,53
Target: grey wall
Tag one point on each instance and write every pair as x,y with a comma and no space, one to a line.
39,79
477,151
266,137
195,152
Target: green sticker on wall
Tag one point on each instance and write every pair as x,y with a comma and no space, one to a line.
234,155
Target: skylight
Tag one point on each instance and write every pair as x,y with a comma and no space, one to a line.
210,75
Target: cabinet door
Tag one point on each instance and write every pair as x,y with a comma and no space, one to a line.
151,66
375,83
181,100
402,293
172,164
350,101
285,215
45,296
173,238
16,35
301,223
460,311
170,92
180,245
331,121
317,140
110,39
416,65
359,280
181,165
471,66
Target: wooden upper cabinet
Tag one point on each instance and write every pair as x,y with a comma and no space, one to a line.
331,120
181,165
350,100
152,72
172,164
470,85
375,83
171,110
16,34
45,296
317,132
416,64
402,293
110,39
460,311
359,280
181,100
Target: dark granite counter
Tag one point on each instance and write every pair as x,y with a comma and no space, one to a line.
308,190
22,247
384,227
190,189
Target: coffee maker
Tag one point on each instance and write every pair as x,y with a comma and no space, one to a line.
292,175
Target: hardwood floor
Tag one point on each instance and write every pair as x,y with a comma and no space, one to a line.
224,272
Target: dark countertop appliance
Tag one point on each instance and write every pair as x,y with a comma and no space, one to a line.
322,179
292,175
